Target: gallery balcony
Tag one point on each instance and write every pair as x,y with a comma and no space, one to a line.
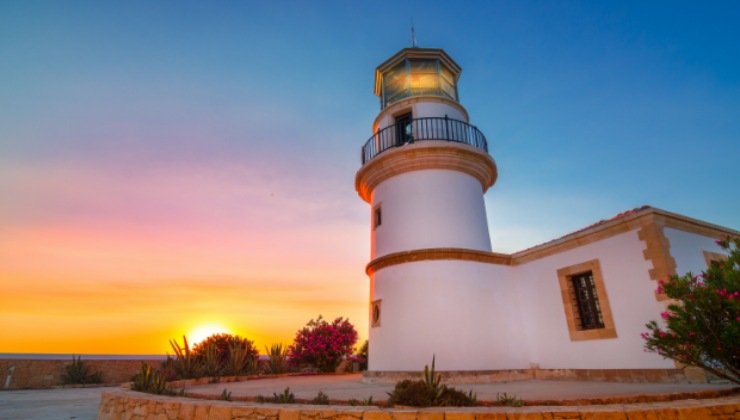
423,129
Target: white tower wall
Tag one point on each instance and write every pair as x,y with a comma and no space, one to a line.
420,107
433,208
464,313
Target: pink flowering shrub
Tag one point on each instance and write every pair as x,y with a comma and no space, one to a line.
323,344
702,326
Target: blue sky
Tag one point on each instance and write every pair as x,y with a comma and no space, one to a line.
219,132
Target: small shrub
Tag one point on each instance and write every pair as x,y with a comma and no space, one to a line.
412,393
429,392
278,362
509,400
321,399
452,397
225,395
78,372
286,397
150,381
367,401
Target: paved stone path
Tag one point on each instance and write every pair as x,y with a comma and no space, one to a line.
50,404
82,403
344,387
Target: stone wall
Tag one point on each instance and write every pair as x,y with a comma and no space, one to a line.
123,404
46,373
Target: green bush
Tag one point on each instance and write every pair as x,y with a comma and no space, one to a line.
367,401
286,397
429,392
509,400
702,324
78,372
321,399
224,346
225,395
412,393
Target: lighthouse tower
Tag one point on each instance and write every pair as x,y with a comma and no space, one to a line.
433,289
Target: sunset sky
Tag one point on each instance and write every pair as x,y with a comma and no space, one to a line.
168,166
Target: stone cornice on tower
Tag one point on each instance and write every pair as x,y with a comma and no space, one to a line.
426,155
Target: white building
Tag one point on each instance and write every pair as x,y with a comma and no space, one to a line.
570,308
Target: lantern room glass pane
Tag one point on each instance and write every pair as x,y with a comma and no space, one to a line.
394,83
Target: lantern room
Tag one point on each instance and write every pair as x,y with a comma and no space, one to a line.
417,72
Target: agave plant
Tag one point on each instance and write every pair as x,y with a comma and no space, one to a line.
433,380
210,361
240,361
278,355
186,364
149,380
78,372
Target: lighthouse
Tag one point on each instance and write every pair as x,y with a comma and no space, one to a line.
424,173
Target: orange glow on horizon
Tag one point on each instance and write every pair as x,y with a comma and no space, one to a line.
203,331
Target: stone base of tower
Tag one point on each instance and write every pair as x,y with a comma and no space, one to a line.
597,375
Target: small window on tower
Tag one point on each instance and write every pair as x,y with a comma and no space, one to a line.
375,313
377,216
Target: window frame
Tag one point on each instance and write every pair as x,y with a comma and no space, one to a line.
570,303
376,308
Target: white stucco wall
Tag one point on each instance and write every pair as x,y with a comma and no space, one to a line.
688,250
429,209
465,313
631,297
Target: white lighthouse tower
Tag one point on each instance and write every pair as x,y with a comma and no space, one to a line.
424,173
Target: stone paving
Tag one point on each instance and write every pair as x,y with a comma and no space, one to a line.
50,404
344,387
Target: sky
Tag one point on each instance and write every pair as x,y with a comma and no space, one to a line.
180,168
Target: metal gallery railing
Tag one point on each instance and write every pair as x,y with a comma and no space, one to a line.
422,129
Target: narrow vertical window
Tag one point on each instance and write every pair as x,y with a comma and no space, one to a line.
377,216
375,313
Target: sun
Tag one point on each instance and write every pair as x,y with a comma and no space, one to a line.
201,332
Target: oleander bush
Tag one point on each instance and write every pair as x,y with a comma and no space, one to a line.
323,344
702,324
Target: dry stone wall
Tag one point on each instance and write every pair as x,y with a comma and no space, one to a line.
121,404
47,373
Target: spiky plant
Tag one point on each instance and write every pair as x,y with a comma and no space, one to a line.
78,372
286,397
433,380
210,360
225,395
278,355
149,380
186,364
